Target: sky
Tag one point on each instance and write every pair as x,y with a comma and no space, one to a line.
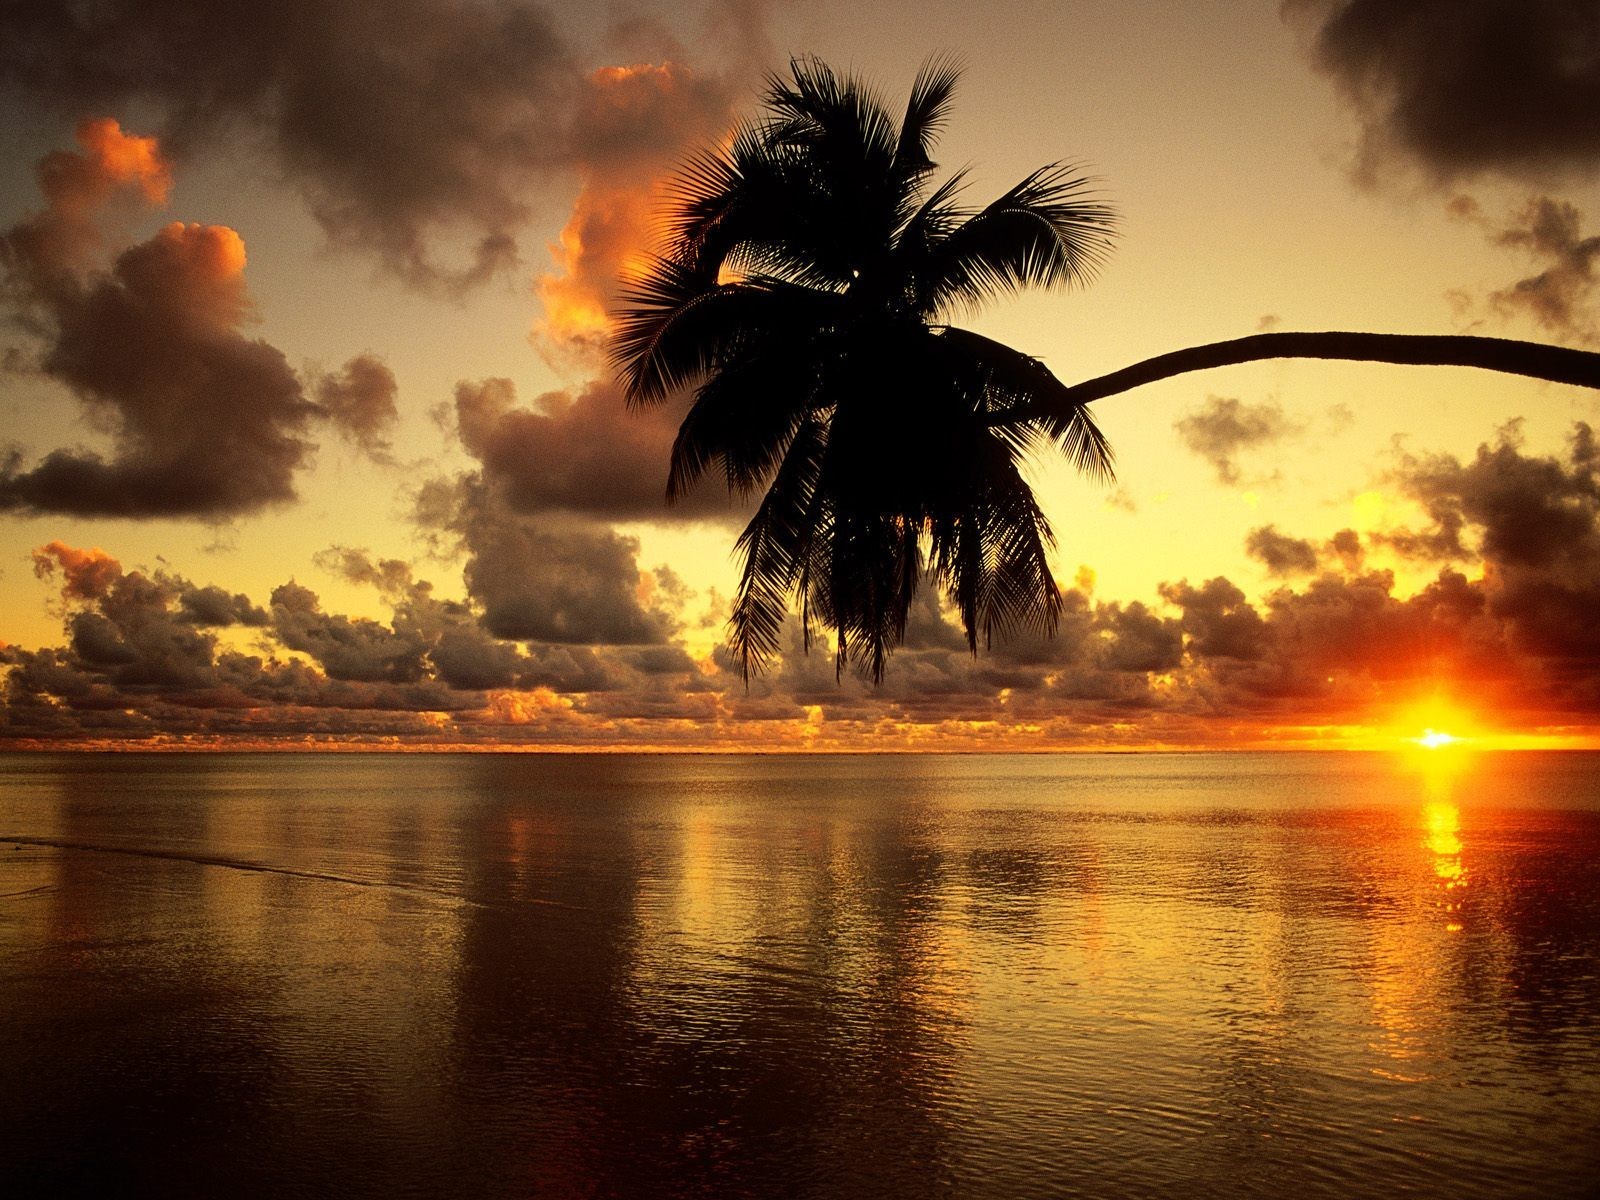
309,437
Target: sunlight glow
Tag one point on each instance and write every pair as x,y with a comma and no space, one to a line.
1433,739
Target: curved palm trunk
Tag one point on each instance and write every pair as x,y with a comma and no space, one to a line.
1559,364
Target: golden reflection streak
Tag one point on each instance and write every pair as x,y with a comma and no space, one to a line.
1442,825
1405,989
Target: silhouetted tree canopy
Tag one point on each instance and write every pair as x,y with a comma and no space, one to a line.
812,268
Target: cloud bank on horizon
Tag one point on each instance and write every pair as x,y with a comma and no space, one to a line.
571,661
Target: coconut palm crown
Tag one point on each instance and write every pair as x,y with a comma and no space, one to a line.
810,273
811,270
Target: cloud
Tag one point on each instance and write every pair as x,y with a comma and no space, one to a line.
633,123
1560,297
1534,520
346,648
86,574
1280,553
1508,631
1464,88
1218,620
1224,428
554,580
463,655
418,131
581,452
359,402
1345,546
203,420
78,185
541,561
404,124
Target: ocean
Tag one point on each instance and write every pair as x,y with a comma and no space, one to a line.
1182,975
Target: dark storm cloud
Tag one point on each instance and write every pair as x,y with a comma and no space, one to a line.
401,122
1466,87
347,648
359,402
203,420
1535,520
1224,428
582,453
1280,553
418,131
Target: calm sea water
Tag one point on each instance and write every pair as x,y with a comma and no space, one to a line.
498,976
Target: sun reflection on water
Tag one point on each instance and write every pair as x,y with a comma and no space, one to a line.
1442,822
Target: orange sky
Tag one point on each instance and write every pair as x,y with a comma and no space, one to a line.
315,443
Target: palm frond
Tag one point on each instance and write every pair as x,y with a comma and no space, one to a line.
744,417
1044,232
927,110
1019,383
773,546
677,328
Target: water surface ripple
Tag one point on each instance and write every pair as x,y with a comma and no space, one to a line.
900,976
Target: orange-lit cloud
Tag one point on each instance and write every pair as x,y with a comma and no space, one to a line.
203,420
85,574
124,158
633,124
77,186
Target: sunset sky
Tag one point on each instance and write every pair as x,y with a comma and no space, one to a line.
309,436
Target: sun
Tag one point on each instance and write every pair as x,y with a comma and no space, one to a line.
1441,722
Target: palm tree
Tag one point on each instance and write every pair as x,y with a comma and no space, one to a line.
811,270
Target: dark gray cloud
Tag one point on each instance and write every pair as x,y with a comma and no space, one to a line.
1280,553
348,648
1560,297
580,453
1512,633
549,577
463,655
203,420
359,402
1535,519
404,123
1224,428
1466,87
418,131
1218,620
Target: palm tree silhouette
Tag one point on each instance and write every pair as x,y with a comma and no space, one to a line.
810,272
